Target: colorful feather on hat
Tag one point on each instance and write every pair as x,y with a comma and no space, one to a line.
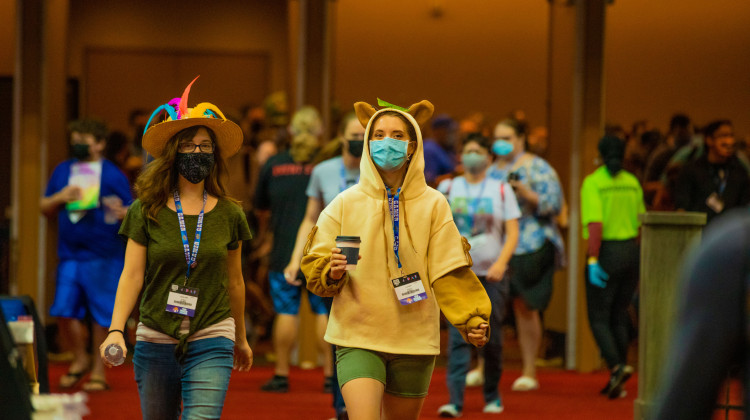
184,99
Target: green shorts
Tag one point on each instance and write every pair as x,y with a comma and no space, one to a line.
403,375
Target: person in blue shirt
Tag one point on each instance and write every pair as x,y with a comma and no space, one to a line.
439,158
91,253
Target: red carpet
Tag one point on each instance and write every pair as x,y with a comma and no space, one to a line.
564,395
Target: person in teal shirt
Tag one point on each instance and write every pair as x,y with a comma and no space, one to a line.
611,200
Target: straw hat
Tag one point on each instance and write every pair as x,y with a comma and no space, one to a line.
228,134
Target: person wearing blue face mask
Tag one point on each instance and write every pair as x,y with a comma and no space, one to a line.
486,213
540,247
413,264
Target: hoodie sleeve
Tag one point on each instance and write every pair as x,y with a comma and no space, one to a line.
316,258
463,300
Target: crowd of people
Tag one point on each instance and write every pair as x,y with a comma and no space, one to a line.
465,221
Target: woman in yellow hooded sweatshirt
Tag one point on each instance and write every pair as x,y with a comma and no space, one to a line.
385,319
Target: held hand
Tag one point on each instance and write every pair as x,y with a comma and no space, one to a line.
496,272
478,336
290,274
70,193
114,204
113,338
243,356
597,276
338,264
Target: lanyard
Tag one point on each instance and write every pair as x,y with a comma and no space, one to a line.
343,186
393,206
507,169
190,258
473,204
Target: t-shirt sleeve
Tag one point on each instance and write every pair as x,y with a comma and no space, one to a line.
241,230
591,204
314,187
262,200
120,185
445,186
545,182
134,225
446,250
58,180
510,203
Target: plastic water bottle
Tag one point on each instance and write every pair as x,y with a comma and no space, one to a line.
113,354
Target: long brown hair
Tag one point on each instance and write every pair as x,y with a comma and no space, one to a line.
157,182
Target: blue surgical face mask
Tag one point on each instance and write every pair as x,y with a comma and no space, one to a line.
388,154
502,147
474,162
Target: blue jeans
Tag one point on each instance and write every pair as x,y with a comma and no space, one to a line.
459,351
200,382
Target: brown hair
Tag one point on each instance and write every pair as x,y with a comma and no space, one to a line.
157,182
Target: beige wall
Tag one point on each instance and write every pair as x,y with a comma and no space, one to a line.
7,37
226,27
671,55
482,55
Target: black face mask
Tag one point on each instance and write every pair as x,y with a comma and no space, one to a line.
355,147
195,167
81,151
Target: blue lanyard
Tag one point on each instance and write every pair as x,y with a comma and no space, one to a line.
190,258
393,206
473,204
343,186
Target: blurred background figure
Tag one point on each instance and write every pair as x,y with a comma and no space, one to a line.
711,330
716,181
280,205
439,149
611,200
540,247
89,195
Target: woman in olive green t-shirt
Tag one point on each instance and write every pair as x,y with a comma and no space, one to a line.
184,238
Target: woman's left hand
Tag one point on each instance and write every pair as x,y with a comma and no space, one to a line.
496,272
478,336
243,356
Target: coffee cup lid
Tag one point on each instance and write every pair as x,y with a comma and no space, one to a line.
348,239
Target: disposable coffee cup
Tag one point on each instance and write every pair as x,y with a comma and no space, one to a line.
349,246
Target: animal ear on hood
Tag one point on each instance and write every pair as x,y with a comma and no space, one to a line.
422,111
364,112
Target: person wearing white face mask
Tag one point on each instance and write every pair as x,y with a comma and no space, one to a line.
413,263
540,248
486,212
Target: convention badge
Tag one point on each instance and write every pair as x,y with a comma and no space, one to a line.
182,300
409,289
714,202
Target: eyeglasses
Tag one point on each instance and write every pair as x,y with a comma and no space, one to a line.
190,147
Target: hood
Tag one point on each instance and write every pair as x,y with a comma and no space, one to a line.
414,183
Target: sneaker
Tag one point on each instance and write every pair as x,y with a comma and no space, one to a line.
619,376
475,377
276,384
525,383
494,407
449,410
328,385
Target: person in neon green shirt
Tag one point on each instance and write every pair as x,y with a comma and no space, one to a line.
611,200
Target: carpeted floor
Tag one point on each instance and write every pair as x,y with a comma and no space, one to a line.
563,395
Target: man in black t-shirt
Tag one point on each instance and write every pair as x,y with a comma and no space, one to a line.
281,197
716,181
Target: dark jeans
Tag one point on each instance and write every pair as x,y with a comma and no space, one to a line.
607,307
459,356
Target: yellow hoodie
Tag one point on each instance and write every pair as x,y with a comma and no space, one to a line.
366,312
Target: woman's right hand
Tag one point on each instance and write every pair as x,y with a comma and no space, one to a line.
113,338
338,264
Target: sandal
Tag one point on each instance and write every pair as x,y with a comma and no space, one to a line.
525,383
96,385
71,379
